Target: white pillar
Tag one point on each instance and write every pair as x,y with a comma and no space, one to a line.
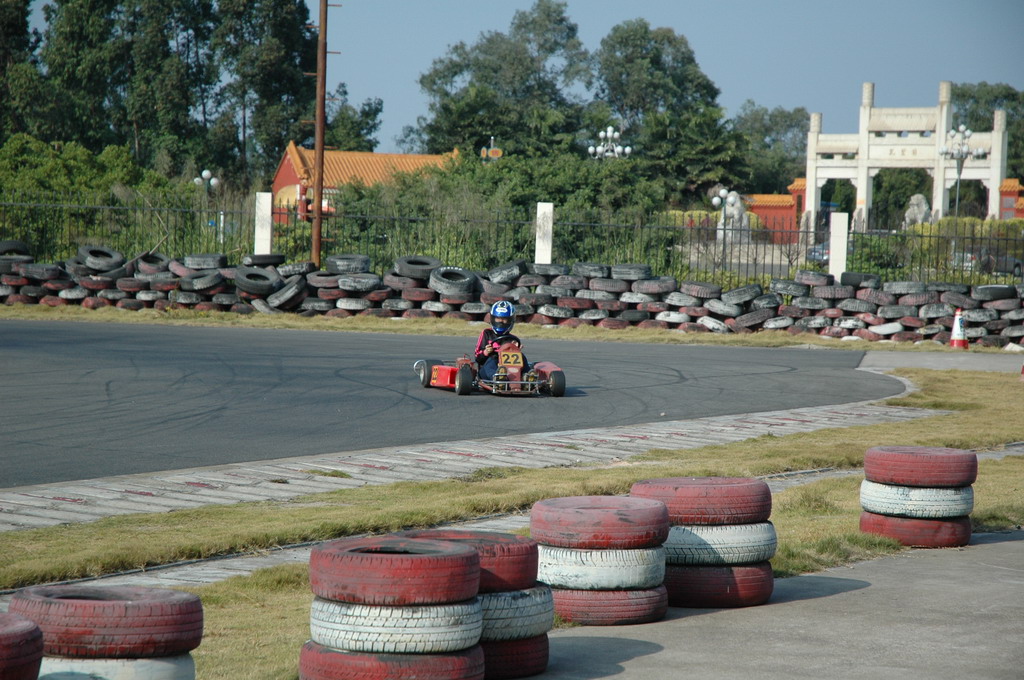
940,177
544,227
812,195
997,161
838,230
263,233
863,181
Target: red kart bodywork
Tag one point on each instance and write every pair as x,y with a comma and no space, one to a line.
519,380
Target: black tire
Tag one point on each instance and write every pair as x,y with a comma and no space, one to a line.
360,282
201,280
8,262
13,247
452,280
545,269
630,272
263,260
257,281
993,292
860,280
348,263
205,261
464,380
293,268
700,289
100,258
556,384
289,297
508,272
904,287
416,266
738,296
152,263
789,287
591,270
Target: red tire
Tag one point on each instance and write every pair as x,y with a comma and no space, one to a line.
599,522
112,622
743,585
507,561
709,500
21,647
611,607
507,659
317,662
952,532
920,466
389,570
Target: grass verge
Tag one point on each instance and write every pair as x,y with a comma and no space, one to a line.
255,625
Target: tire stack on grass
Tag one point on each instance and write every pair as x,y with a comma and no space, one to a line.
720,542
919,496
518,611
394,607
21,647
121,633
603,558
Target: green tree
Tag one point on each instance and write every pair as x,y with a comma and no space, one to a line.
649,78
85,65
777,142
349,128
974,105
511,86
267,47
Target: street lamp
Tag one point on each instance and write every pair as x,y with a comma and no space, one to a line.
723,199
207,180
959,151
609,146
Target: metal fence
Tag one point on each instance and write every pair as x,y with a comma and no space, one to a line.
967,250
56,227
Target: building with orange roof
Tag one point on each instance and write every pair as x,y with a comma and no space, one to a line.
294,177
780,213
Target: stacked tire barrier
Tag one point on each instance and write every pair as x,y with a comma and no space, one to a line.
720,542
608,296
518,612
389,606
21,647
113,633
919,496
603,558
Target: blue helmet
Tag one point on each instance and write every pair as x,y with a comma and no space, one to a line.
503,317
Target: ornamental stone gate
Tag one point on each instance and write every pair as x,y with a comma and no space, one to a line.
902,138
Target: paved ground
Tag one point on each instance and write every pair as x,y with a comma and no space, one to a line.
931,614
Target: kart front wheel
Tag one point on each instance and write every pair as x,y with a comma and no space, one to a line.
556,384
464,380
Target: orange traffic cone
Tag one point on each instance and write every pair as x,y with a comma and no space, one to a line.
958,339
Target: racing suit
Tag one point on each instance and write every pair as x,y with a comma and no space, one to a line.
488,364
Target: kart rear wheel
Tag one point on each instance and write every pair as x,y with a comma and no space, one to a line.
556,384
464,380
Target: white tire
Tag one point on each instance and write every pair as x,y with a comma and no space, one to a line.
414,629
517,614
720,543
578,569
178,667
920,502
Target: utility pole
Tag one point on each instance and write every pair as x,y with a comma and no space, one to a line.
320,124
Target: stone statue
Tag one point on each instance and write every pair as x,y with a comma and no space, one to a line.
918,211
735,213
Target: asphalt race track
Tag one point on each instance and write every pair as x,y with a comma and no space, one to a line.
86,400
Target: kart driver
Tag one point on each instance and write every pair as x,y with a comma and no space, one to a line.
500,331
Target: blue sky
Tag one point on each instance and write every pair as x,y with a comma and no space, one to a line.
788,53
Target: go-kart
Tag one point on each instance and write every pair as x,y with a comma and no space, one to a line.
513,377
